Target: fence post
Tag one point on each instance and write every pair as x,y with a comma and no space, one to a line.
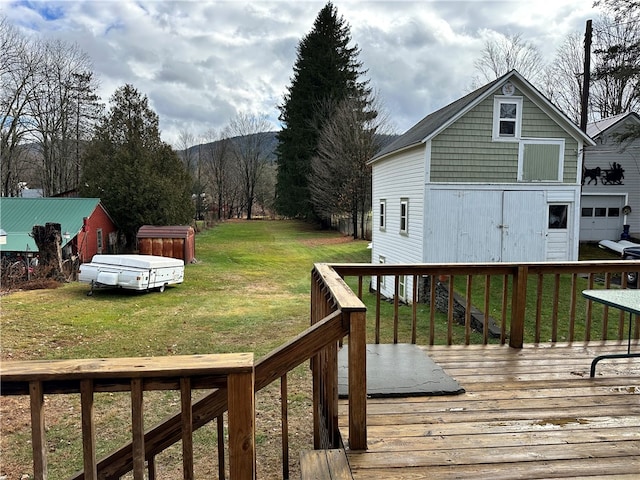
518,306
357,381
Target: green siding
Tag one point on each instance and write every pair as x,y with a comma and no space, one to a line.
465,152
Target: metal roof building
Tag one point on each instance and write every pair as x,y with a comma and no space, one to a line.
19,215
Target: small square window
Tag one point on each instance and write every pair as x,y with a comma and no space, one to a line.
614,212
558,216
587,212
601,212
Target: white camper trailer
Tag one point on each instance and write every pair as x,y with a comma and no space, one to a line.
134,272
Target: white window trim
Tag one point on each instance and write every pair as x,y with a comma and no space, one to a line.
497,101
402,288
566,204
547,141
405,202
382,217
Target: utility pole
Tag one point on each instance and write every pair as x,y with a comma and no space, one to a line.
584,102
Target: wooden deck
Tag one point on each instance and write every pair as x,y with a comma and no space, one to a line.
529,414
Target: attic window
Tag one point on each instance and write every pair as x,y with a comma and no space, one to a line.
507,118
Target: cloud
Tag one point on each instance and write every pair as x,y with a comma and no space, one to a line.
200,63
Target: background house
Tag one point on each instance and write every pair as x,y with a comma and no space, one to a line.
494,176
611,181
86,226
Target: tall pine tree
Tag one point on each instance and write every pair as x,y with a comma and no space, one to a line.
326,71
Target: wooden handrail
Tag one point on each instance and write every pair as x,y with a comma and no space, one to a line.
267,369
234,372
336,313
516,293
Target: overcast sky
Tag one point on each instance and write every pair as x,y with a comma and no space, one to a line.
202,62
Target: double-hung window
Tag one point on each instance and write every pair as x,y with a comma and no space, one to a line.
383,215
507,118
404,215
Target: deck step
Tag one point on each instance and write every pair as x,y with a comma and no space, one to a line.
324,465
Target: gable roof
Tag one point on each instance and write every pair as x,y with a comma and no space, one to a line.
19,215
595,129
434,123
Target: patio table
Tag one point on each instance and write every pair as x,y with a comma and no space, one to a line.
625,300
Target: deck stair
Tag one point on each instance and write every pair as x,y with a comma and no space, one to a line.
324,465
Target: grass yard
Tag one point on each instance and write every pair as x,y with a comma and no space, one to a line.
249,291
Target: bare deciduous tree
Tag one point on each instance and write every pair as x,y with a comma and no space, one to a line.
564,76
616,73
503,53
217,167
340,181
53,112
251,148
20,66
187,140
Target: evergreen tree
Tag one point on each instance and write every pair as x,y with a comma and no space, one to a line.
326,72
140,179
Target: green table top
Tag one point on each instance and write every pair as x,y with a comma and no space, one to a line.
627,300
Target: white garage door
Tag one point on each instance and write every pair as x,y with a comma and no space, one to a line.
601,217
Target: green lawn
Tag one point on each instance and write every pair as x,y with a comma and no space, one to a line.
248,291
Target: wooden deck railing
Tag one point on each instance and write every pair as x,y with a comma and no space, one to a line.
541,302
337,313
533,302
232,373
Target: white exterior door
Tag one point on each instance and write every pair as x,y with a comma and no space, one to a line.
523,226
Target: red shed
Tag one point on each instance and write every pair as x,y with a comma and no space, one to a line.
170,241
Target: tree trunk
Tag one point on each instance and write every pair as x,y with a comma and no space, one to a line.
48,239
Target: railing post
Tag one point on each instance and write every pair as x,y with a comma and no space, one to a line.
518,306
187,428
357,381
38,440
242,444
137,427
88,430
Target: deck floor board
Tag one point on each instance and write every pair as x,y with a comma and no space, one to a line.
526,414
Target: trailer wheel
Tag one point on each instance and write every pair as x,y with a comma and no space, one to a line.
161,288
632,277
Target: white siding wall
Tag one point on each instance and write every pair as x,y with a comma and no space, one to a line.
401,178
486,223
603,155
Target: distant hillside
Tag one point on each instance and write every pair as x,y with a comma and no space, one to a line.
272,144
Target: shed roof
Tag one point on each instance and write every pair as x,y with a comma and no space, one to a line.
434,123
169,231
19,215
595,129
